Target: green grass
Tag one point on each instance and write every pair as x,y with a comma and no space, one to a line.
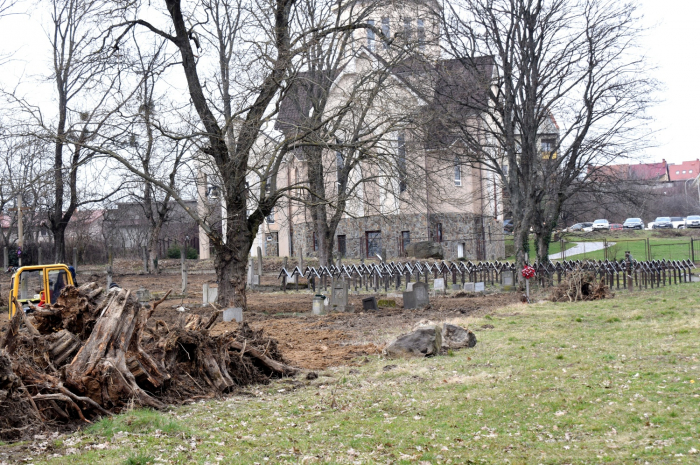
554,247
612,381
670,248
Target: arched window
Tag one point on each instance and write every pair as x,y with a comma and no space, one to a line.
458,172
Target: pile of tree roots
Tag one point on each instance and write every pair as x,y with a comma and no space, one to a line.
580,285
94,352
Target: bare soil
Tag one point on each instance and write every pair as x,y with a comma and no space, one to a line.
305,340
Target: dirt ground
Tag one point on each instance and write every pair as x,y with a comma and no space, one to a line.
305,340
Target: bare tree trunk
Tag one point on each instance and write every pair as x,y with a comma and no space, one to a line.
153,249
59,242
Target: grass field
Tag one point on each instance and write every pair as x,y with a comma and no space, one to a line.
612,381
670,248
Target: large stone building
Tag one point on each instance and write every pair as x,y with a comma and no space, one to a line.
424,192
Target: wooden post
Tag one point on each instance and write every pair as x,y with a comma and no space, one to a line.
183,268
109,267
144,256
284,276
38,256
75,259
260,265
6,259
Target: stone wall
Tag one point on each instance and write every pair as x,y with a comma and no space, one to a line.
479,242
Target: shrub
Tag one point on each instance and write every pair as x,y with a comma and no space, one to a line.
174,252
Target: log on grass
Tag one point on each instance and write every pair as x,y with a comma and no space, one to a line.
274,366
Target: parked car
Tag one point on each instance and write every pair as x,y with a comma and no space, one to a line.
587,227
693,221
615,227
662,222
579,227
601,224
508,226
633,223
678,222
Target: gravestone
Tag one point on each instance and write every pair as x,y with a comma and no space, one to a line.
209,294
420,290
468,287
409,300
370,303
479,287
249,277
439,284
256,280
143,295
235,313
417,297
260,262
508,278
456,287
409,287
339,295
318,305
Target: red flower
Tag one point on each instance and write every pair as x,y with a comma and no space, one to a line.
528,272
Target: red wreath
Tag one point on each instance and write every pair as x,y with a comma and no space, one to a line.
528,272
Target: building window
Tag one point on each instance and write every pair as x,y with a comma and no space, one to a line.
271,217
690,171
407,29
458,172
342,245
683,171
374,243
420,26
386,30
405,240
401,156
438,232
678,172
213,192
268,184
370,35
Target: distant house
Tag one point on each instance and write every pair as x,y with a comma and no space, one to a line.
657,172
127,227
684,171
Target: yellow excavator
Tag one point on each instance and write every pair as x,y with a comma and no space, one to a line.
40,285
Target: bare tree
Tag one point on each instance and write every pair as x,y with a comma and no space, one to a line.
561,63
145,139
346,133
252,47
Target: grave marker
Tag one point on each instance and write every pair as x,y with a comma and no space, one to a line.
370,303
439,284
235,313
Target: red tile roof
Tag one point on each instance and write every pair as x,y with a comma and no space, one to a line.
684,171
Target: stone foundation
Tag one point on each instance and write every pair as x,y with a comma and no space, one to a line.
480,237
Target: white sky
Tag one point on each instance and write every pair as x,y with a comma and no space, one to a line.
669,44
672,48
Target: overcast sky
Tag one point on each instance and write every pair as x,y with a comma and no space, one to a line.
672,48
670,44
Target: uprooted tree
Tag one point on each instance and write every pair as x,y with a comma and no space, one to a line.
94,352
